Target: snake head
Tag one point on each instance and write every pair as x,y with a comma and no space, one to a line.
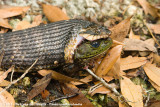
94,32
90,41
90,49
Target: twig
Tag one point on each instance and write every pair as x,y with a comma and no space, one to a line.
151,33
93,88
12,75
147,100
109,87
23,75
64,97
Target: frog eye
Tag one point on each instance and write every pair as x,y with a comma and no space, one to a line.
95,44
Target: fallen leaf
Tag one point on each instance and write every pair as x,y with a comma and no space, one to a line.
121,104
120,31
102,90
132,73
6,99
3,75
22,25
148,8
4,23
153,73
155,104
86,80
154,28
39,86
115,71
131,92
113,96
108,78
10,11
133,36
155,85
156,59
138,45
132,62
4,83
45,94
109,60
37,21
150,41
58,76
53,13
69,88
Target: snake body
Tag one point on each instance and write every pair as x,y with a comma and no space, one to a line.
46,42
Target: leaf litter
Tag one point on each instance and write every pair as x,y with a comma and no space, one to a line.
115,66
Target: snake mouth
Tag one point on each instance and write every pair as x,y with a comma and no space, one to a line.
93,37
71,46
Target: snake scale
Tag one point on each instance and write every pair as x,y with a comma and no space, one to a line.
46,42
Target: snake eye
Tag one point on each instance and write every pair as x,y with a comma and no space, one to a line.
95,44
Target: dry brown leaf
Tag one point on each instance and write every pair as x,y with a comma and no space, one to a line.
155,85
108,78
69,88
148,8
132,92
155,104
121,104
10,11
137,45
39,86
120,31
22,25
45,94
155,28
133,36
58,76
156,59
115,70
4,83
4,23
150,41
101,90
6,99
113,74
132,62
3,75
132,73
86,80
37,21
113,96
53,13
153,73
109,60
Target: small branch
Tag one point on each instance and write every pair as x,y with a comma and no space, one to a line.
93,88
64,97
12,75
109,87
147,100
23,75
151,33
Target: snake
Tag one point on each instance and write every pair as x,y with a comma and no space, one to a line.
54,44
